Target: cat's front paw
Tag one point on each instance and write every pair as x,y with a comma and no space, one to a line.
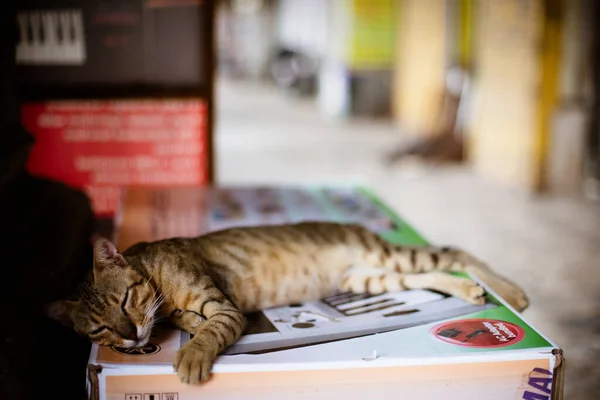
470,291
514,296
193,363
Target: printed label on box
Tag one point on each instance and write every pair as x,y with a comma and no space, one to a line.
482,333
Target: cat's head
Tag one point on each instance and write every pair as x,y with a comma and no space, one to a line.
116,307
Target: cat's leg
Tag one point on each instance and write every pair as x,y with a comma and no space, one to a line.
425,259
464,288
216,323
378,280
513,294
187,321
462,261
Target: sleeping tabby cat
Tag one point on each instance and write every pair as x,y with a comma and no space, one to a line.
204,285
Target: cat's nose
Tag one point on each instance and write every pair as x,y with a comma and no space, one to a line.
132,336
129,332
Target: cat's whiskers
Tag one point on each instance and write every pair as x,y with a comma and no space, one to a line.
151,275
155,298
150,313
150,310
156,287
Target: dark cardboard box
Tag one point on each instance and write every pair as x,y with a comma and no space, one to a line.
116,42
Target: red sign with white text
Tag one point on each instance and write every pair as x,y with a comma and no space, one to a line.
102,146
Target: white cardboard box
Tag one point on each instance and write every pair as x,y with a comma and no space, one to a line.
413,345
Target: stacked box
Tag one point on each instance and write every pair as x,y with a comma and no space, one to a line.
117,93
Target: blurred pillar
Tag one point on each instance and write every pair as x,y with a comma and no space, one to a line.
592,166
570,123
517,56
420,62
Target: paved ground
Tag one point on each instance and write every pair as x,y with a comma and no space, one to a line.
551,246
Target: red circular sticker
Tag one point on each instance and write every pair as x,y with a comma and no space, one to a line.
482,333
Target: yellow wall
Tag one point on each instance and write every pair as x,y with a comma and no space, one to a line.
371,35
505,135
419,70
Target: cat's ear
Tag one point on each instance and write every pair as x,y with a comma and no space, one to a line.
61,311
106,256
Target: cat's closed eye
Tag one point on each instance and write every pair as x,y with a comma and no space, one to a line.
99,331
124,302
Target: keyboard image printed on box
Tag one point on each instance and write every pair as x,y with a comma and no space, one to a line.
344,316
51,37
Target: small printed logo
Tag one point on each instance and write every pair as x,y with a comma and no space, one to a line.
481,333
146,350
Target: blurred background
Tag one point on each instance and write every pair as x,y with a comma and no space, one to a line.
477,120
